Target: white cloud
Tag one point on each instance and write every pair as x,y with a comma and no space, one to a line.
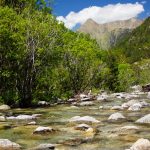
108,13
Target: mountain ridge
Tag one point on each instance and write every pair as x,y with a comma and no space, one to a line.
108,34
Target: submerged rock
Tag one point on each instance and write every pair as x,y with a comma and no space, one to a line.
116,116
141,144
135,104
32,123
73,142
45,147
83,119
42,130
22,117
86,104
4,107
145,119
90,133
7,144
82,127
129,103
74,107
117,108
125,130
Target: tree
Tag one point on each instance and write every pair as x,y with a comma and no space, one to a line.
126,77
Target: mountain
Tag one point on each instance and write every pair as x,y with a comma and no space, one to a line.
136,45
108,34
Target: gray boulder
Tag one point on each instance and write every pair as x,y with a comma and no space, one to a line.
141,144
116,116
4,107
7,144
43,103
145,119
135,107
42,130
2,118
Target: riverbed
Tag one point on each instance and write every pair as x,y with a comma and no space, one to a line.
66,137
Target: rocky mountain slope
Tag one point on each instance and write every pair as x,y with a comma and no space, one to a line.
108,34
136,45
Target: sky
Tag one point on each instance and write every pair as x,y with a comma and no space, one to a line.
76,12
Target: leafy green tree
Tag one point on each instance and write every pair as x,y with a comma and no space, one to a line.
81,61
126,77
29,42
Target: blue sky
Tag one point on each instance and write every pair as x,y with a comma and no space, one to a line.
64,7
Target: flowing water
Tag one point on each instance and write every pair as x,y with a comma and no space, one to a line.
57,117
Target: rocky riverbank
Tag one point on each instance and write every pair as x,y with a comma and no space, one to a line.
116,121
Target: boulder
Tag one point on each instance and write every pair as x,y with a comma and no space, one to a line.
141,144
43,103
83,119
144,104
7,144
129,103
136,88
21,117
4,107
145,119
2,118
116,116
137,104
135,107
102,97
83,96
119,95
117,108
43,130
82,127
45,147
130,96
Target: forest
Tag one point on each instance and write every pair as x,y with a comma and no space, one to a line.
43,60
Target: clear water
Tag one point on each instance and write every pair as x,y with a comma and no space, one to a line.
58,116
